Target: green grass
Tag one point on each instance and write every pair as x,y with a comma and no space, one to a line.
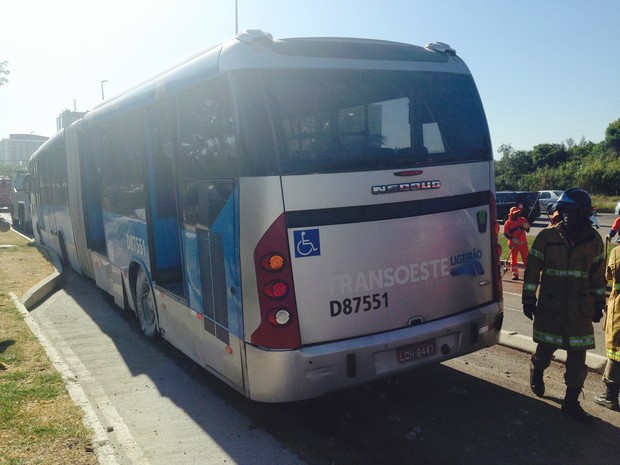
604,204
39,423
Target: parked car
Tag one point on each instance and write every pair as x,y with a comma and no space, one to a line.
547,199
528,201
617,209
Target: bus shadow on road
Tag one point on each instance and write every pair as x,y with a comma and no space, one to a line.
169,405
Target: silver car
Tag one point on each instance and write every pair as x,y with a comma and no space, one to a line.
547,199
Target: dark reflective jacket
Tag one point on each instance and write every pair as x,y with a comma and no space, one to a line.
572,285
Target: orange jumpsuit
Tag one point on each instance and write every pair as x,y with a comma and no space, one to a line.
515,231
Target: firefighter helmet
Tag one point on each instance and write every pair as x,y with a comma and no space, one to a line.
573,199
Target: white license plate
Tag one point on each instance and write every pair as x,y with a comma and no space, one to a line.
407,354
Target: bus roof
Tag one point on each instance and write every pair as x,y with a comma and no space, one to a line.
257,49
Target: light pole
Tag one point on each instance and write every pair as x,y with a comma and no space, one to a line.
236,17
102,94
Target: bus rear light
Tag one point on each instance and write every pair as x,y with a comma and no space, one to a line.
279,317
276,289
273,262
279,325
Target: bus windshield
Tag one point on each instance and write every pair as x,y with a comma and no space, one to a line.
356,120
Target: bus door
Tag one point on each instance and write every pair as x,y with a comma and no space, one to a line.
164,216
209,209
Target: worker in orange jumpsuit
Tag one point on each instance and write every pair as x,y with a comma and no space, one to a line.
614,229
515,230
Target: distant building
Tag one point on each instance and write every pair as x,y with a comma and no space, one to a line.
19,147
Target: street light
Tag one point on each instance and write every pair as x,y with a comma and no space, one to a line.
102,94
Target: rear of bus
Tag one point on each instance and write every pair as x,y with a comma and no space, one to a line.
374,249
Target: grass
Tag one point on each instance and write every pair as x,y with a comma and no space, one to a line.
39,423
604,204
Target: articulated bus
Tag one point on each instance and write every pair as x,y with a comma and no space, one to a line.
297,216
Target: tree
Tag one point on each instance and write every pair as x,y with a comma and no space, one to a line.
4,71
594,167
549,155
510,170
612,136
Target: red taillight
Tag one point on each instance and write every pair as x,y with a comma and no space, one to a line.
279,327
276,289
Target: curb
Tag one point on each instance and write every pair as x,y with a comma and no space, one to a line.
39,292
514,340
42,290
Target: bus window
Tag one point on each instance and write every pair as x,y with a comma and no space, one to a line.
207,133
331,121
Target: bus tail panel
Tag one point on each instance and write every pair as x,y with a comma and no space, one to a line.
363,278
366,269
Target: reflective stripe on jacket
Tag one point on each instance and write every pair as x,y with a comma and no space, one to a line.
572,285
612,315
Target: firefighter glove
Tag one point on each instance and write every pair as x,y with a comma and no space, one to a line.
607,238
598,314
529,310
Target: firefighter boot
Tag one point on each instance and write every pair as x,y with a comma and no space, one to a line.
536,382
571,406
610,398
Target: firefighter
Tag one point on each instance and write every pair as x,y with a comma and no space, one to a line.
611,376
515,229
568,262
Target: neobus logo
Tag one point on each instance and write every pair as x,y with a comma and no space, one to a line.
406,187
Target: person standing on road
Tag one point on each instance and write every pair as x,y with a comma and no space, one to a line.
615,227
611,325
515,229
568,262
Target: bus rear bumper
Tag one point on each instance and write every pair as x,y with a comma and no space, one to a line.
285,376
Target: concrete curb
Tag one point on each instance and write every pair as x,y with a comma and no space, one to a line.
39,292
523,343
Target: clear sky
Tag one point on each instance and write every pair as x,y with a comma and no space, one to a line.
547,70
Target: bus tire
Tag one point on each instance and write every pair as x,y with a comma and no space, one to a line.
145,305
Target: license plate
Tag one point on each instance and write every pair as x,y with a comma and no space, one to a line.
414,352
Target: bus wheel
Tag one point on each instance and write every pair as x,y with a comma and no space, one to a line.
145,305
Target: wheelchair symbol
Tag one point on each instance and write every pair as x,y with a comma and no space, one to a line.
307,243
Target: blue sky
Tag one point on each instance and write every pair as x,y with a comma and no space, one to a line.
546,70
